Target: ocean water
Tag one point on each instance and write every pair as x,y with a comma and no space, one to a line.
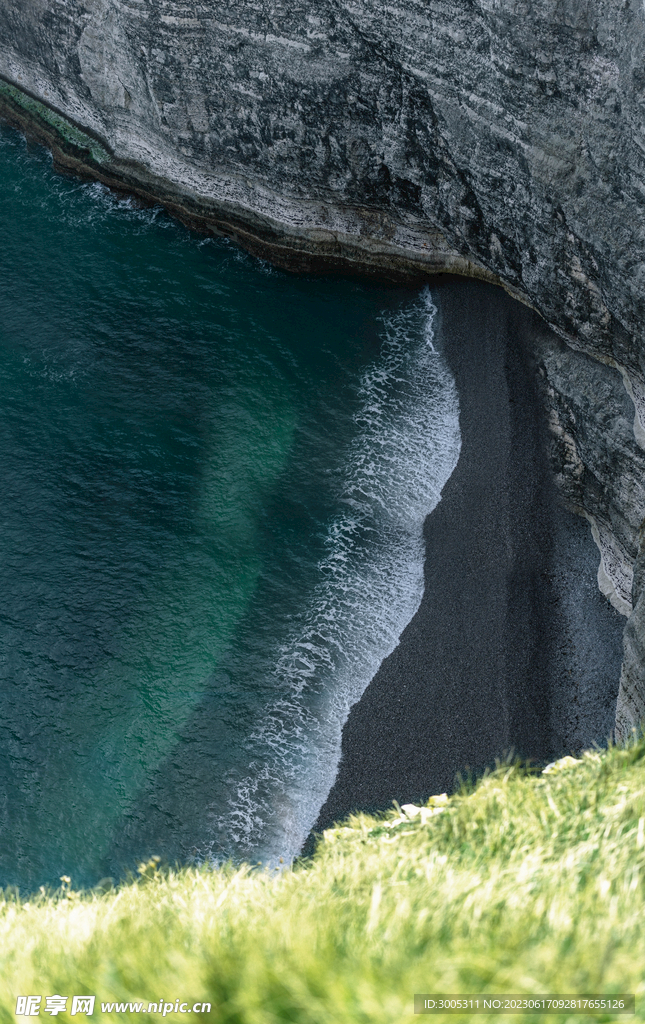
214,481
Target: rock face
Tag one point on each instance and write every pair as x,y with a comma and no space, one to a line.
502,139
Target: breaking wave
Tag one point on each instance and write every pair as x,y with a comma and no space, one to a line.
370,584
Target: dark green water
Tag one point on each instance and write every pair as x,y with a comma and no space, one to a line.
214,480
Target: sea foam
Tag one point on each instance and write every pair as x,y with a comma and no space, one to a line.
370,584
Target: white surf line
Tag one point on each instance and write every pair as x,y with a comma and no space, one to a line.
371,585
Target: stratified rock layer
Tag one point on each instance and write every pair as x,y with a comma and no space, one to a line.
501,139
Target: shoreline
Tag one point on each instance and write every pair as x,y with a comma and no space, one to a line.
477,670
486,667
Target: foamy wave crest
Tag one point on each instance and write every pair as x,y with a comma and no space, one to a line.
370,585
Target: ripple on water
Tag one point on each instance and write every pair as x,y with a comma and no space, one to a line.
215,478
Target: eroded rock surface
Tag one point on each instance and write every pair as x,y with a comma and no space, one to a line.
503,139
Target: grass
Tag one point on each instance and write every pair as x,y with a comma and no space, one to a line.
528,884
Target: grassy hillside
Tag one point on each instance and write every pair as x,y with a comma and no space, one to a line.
529,884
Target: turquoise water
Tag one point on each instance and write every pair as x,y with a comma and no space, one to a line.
214,478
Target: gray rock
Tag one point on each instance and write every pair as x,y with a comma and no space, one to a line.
502,139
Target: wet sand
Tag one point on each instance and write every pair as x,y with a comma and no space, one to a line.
510,611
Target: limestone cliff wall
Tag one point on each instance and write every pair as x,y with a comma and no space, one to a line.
499,138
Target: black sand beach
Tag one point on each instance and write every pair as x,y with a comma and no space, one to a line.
512,629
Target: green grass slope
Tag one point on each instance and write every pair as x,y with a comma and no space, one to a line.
528,884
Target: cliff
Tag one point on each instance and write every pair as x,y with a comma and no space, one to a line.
500,139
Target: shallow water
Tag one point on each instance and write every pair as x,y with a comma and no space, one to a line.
215,478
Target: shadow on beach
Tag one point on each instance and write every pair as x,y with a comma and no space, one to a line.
512,628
